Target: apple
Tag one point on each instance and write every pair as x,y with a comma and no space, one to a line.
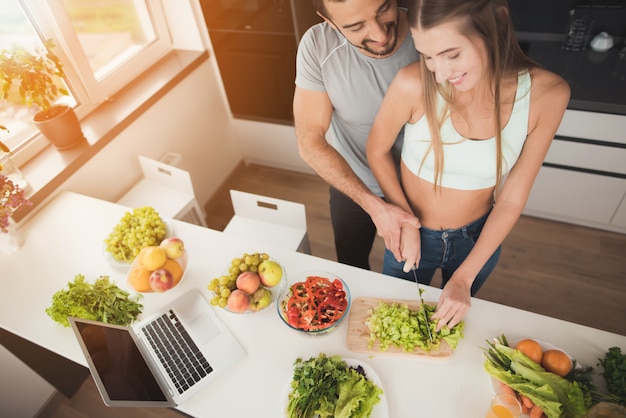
260,299
248,281
238,301
270,273
173,246
161,280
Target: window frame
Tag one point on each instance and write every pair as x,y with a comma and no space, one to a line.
50,21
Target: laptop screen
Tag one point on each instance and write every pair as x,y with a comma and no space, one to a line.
122,369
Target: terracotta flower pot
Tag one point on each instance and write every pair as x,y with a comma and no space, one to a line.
60,126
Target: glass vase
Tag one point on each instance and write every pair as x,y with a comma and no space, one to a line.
12,240
10,170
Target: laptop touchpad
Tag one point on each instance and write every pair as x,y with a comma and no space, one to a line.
204,327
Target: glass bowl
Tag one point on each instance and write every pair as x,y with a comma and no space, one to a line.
330,300
139,277
275,292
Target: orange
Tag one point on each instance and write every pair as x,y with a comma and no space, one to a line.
139,278
557,362
175,268
531,348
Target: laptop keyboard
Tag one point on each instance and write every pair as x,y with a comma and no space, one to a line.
177,352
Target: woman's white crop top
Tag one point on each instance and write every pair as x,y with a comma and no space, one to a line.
468,164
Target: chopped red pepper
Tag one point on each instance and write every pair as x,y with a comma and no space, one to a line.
316,303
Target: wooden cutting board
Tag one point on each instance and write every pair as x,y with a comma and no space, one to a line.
358,333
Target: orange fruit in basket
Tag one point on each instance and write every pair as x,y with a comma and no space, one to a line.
531,348
557,362
139,278
175,268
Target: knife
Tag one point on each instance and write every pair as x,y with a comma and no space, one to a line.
419,290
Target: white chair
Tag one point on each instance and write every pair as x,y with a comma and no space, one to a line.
268,220
168,190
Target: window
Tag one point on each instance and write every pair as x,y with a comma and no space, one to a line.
103,45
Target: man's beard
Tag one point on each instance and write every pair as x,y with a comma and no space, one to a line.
392,28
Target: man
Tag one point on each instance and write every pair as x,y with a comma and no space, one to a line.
344,66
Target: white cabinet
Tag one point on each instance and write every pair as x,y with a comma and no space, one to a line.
583,180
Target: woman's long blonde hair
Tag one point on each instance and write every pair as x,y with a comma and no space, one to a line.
488,20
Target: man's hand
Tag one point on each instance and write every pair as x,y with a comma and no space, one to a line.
389,220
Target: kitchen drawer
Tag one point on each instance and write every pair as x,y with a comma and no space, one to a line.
576,197
595,126
605,158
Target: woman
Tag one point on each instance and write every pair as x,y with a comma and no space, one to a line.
479,117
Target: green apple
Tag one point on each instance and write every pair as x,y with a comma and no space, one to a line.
260,299
270,273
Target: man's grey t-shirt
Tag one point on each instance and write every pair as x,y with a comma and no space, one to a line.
356,84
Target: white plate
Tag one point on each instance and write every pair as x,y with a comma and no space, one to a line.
380,410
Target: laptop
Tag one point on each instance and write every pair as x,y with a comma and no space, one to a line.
138,366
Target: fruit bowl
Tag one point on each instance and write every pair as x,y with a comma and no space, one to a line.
328,295
150,273
252,283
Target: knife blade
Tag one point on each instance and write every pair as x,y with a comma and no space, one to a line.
419,291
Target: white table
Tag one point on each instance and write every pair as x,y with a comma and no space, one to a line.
65,238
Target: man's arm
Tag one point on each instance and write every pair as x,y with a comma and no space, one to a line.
312,114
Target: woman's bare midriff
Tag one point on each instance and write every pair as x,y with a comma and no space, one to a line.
444,208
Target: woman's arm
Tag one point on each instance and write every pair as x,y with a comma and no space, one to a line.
549,98
399,106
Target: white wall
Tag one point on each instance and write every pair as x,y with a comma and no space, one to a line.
191,120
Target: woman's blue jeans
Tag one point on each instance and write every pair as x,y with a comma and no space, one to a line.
444,249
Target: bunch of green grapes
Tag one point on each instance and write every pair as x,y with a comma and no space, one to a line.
140,228
223,285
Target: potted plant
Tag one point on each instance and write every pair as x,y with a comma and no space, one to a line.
34,79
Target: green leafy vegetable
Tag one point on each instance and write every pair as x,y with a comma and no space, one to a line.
557,397
326,386
101,301
394,324
614,366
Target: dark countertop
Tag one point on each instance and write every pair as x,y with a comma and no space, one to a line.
597,79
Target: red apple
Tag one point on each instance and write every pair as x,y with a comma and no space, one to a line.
238,301
248,281
161,280
173,246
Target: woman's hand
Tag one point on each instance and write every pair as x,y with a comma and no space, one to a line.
410,247
453,304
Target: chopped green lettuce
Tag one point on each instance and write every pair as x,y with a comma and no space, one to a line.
395,324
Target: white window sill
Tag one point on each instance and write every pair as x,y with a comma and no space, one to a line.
51,167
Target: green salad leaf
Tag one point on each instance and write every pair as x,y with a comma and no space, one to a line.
557,397
101,301
327,387
395,324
